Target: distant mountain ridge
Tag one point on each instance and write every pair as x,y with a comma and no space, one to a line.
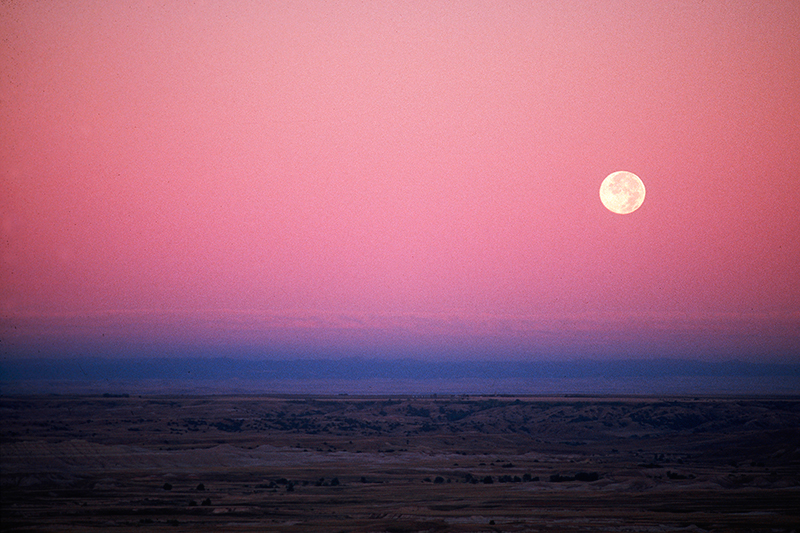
576,376
83,368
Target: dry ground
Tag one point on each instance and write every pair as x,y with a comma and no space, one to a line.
379,464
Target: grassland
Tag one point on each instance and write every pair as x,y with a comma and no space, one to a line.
381,464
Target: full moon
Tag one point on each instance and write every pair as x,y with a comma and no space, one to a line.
622,192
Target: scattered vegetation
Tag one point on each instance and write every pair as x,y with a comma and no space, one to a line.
580,476
280,455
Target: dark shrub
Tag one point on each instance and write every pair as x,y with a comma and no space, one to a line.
418,411
167,486
231,426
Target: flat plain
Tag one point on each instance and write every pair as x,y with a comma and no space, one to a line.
399,464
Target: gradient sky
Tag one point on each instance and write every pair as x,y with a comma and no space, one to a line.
411,178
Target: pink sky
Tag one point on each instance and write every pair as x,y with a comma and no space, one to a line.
406,175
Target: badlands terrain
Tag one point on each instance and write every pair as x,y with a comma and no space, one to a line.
399,464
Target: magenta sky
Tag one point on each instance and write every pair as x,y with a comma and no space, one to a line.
420,176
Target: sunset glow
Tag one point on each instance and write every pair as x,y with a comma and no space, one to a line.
413,179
